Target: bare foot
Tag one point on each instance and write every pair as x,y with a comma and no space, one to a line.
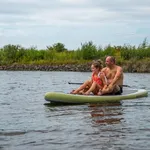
72,92
81,92
99,93
86,93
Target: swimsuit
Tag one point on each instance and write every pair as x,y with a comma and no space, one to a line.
97,79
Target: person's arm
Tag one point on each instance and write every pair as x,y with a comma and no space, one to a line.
104,80
117,76
103,70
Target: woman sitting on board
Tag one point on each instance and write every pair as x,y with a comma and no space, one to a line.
97,82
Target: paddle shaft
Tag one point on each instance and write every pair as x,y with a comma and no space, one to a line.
82,83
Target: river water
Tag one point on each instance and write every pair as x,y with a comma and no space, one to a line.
27,122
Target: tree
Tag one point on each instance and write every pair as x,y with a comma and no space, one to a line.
58,47
89,50
144,44
11,52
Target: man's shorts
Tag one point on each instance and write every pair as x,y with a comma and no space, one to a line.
118,90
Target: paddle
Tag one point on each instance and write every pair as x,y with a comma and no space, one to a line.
82,83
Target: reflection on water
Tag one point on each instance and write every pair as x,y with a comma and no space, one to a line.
106,113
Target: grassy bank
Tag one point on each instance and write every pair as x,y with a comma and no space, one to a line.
133,59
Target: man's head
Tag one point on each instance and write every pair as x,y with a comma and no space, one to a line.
110,61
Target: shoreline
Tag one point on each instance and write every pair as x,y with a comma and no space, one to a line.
127,67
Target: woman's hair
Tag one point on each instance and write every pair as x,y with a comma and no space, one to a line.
98,64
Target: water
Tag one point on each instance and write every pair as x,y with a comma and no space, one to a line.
27,123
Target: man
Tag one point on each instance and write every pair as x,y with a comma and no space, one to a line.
114,75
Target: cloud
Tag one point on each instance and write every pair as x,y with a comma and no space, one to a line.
68,12
31,19
76,2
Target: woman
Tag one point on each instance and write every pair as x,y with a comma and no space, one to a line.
96,83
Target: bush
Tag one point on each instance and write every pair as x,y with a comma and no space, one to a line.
89,50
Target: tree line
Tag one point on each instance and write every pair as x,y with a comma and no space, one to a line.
58,54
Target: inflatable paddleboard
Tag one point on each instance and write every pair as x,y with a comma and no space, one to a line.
58,97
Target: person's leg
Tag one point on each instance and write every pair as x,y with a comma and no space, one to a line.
84,90
114,90
100,90
107,90
97,90
93,88
82,87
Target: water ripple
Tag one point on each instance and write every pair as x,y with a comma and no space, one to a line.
26,123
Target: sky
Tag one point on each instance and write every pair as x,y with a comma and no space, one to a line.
43,23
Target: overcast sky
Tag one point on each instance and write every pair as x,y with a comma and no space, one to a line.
72,22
